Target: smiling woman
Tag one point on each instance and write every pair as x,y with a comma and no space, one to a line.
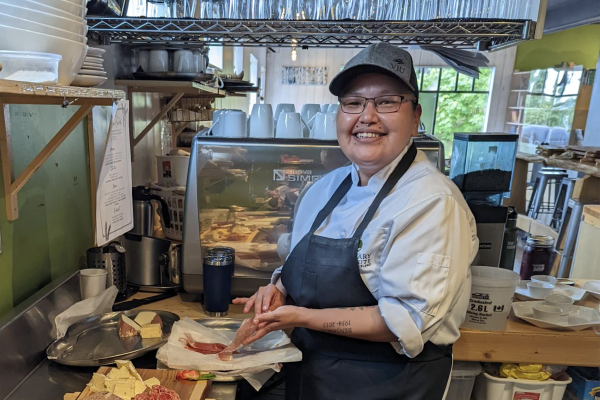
375,125
365,294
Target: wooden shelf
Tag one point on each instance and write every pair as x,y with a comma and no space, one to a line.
178,89
12,92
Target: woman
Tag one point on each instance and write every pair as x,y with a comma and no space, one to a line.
378,282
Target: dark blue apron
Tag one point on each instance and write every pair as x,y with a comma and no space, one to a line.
323,273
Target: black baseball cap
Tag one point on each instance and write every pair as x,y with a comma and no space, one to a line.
380,57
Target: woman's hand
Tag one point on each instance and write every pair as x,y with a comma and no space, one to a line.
267,298
283,317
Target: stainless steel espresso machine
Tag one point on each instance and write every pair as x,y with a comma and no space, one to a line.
241,193
482,166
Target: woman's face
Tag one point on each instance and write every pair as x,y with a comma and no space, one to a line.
393,130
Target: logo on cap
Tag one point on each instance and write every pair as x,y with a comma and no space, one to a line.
399,61
397,66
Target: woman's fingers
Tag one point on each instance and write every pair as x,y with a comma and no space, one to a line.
249,303
240,300
258,335
268,297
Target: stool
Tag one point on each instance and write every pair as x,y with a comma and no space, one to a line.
573,212
564,194
539,188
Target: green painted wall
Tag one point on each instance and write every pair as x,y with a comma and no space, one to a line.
580,45
54,227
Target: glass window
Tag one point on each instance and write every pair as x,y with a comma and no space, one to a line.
464,83
431,77
448,81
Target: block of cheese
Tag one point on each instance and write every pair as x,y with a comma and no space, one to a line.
119,373
151,382
97,383
151,331
148,317
125,389
127,327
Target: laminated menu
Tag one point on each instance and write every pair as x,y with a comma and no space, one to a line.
114,204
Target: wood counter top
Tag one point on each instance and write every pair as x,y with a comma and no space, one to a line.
518,342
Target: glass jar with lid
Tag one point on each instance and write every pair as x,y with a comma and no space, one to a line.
537,256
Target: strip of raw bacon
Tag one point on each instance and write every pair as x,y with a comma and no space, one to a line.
203,348
244,331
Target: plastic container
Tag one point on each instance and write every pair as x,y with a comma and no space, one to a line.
492,291
483,162
463,379
29,66
488,387
174,196
172,170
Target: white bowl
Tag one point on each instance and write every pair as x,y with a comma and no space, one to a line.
73,53
540,290
565,303
544,278
33,5
41,17
66,6
546,312
20,23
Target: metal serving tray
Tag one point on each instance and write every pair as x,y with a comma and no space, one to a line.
94,341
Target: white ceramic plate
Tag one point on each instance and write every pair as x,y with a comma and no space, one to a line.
91,72
570,291
96,52
593,288
88,80
578,318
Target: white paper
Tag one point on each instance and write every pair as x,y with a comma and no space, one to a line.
96,305
252,362
114,205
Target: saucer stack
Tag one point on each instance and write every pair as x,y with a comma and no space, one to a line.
92,71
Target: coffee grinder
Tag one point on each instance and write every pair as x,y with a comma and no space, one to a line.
482,167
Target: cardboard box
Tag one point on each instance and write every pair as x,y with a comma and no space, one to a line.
585,385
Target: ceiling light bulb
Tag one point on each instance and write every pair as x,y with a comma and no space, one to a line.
294,55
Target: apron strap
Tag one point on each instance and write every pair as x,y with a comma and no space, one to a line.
338,195
389,184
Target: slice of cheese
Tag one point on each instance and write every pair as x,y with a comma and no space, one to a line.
125,389
71,396
130,367
119,373
151,382
145,318
139,387
151,331
127,327
97,383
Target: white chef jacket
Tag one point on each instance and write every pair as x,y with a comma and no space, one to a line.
416,251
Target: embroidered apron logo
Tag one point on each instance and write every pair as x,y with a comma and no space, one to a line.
364,260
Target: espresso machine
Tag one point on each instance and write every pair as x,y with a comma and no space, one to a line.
482,166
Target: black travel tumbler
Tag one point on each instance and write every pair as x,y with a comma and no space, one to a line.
217,270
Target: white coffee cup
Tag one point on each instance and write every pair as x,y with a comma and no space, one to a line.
159,61
290,126
217,129
333,108
261,121
144,60
283,107
309,111
324,127
231,123
324,107
182,61
92,282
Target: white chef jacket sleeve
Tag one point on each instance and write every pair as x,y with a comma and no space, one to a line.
425,271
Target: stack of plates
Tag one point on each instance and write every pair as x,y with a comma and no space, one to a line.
46,26
92,71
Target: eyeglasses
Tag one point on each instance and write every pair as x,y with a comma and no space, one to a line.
383,104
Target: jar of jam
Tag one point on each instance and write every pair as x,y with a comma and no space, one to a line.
537,256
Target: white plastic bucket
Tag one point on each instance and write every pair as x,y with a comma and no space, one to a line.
492,291
489,387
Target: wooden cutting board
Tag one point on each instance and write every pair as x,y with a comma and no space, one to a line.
187,390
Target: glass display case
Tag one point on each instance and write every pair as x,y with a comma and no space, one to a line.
242,193
483,162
